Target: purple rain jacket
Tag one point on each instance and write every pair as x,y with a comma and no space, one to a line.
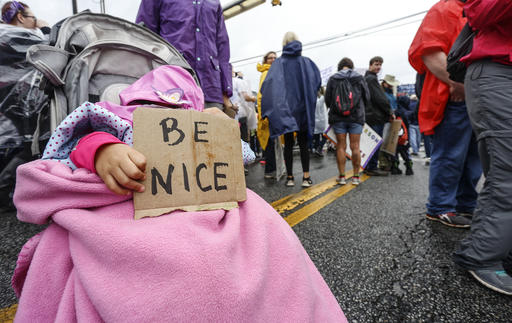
197,30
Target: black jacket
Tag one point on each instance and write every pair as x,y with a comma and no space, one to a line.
360,89
378,111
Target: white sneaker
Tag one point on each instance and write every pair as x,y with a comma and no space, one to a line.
290,182
307,182
341,180
355,180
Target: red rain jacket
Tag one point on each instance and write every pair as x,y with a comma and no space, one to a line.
438,31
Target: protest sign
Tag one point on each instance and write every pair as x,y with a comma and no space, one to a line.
370,142
390,137
194,161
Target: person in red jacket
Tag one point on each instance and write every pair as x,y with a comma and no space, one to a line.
455,166
487,251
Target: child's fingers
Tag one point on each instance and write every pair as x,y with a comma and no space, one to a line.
132,170
122,179
138,159
114,186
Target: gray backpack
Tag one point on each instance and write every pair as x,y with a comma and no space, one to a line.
91,55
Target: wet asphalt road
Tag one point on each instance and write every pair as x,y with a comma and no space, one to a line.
382,259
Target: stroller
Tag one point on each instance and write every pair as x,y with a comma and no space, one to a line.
90,57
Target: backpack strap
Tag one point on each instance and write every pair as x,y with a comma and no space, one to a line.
50,61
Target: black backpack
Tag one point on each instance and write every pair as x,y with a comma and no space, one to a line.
345,96
462,46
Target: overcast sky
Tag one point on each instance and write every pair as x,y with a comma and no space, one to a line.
261,29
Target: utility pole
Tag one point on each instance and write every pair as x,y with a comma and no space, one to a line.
75,7
102,6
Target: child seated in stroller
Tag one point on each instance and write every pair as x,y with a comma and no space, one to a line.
94,262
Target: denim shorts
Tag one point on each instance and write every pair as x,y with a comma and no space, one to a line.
347,127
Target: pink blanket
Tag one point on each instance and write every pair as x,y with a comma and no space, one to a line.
95,263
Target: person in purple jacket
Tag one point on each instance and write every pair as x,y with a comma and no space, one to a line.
196,28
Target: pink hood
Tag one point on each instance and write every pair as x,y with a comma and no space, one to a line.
163,80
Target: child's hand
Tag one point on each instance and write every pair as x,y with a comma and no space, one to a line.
120,167
216,112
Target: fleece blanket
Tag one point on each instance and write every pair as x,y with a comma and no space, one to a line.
95,263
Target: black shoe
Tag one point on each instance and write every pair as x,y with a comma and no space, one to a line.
396,171
408,168
376,172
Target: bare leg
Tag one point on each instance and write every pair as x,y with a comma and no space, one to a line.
356,152
341,148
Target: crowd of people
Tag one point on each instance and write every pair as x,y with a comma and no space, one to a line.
302,112
465,124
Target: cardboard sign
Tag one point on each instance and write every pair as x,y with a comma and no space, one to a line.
194,161
370,142
391,137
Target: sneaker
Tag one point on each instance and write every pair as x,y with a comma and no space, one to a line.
341,180
307,182
376,172
355,180
271,175
450,219
497,280
427,161
395,170
290,181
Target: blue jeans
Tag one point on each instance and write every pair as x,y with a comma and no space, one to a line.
455,165
347,127
372,164
414,137
427,140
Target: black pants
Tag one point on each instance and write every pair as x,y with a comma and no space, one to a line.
289,142
244,131
402,150
270,156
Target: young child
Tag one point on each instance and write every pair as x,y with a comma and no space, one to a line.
402,149
95,263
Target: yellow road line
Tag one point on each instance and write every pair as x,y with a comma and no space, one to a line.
7,314
293,200
308,210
